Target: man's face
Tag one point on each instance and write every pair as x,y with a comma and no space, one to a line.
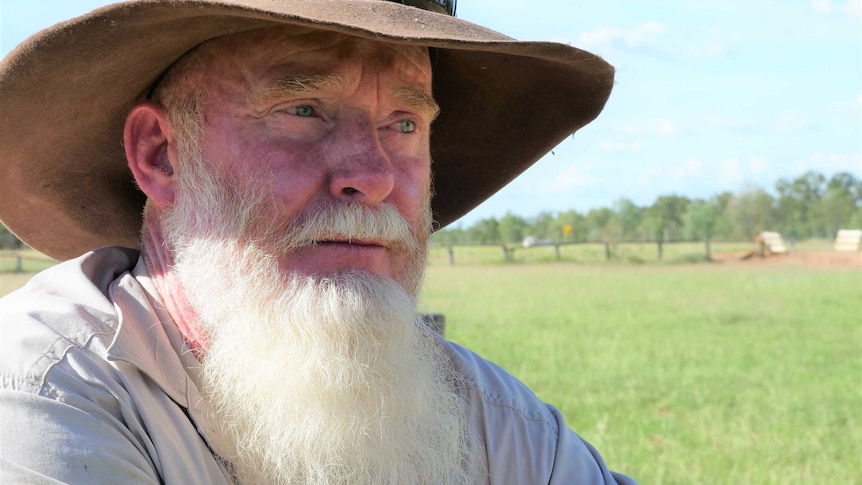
318,120
315,366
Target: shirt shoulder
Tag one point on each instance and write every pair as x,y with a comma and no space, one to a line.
63,403
496,387
62,309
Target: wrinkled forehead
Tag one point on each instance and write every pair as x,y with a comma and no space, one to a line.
319,49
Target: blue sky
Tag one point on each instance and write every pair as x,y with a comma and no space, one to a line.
709,96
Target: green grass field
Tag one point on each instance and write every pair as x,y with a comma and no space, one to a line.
680,374
16,267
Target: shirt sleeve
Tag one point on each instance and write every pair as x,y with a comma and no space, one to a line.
576,461
46,441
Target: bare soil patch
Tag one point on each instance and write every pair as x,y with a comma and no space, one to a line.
821,258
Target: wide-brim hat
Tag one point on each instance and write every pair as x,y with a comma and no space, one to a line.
65,187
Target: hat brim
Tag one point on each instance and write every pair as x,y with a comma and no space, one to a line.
65,92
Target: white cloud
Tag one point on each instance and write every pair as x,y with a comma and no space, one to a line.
723,122
643,33
757,164
707,51
729,172
790,120
850,7
647,176
651,128
821,6
650,38
632,129
832,162
605,35
667,128
633,37
689,169
734,171
573,177
609,146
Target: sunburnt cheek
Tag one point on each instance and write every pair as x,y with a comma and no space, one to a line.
414,169
295,171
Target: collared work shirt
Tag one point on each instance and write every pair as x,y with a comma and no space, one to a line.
97,386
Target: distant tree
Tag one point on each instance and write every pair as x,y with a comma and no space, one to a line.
486,231
700,219
798,203
806,206
512,228
9,240
613,231
841,204
628,216
597,221
542,227
450,236
664,219
752,212
723,228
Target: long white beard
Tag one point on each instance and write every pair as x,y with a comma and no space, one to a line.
324,379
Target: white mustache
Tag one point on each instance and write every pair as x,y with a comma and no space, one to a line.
382,225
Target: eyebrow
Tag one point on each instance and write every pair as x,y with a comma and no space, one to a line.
418,100
299,85
303,84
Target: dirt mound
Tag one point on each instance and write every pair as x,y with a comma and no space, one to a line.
830,258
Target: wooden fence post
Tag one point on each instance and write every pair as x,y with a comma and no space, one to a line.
659,250
708,253
451,256
437,322
557,251
505,252
607,251
19,267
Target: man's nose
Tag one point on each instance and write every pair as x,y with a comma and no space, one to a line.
363,171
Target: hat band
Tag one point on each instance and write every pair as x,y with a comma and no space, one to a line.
440,6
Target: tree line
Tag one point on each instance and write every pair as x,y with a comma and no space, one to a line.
808,206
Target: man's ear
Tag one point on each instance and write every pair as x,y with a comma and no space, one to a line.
151,152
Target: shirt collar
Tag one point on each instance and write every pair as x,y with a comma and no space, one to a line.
148,339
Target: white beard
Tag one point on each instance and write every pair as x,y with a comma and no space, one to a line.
314,380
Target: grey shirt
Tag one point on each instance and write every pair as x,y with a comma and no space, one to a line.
97,386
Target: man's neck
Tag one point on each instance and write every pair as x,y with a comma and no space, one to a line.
159,261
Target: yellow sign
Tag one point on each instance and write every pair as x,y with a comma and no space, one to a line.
567,229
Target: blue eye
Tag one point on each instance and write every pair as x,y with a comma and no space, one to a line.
304,111
406,126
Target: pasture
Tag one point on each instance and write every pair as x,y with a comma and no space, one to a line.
723,373
16,267
730,373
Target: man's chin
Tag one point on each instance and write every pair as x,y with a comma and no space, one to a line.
395,269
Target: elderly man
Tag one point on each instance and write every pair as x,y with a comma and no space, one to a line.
266,331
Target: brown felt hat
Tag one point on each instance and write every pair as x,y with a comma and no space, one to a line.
65,187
